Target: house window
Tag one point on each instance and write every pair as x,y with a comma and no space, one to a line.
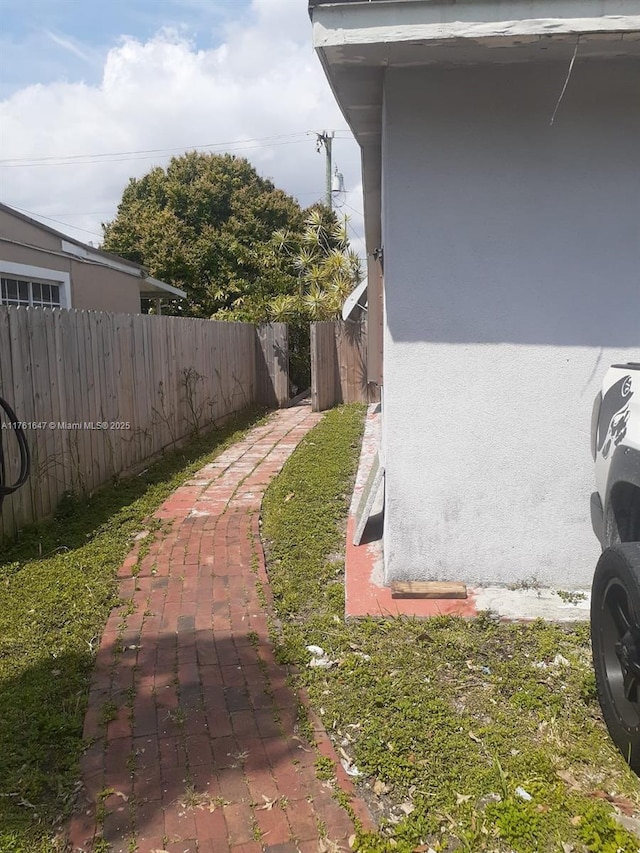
35,294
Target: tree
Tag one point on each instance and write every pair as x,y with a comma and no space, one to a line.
327,269
205,225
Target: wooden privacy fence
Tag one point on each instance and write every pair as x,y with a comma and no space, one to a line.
101,393
273,364
339,365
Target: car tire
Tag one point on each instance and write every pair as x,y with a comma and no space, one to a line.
615,642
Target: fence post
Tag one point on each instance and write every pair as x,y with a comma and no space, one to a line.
272,364
339,365
325,373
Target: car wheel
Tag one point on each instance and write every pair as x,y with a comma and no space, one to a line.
615,641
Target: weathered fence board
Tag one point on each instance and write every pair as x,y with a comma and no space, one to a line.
272,364
339,365
160,377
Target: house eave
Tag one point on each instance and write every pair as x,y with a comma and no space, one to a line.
358,41
388,22
153,288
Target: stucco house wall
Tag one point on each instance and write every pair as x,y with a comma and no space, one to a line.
512,280
100,288
90,279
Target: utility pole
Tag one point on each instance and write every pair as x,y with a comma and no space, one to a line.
325,140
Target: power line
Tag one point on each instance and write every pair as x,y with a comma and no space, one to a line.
151,153
317,193
357,212
145,150
83,213
58,221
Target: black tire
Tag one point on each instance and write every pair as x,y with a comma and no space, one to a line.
615,641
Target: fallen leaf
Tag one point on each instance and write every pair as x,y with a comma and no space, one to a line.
407,807
301,743
321,663
351,842
622,803
379,787
474,737
268,804
462,798
566,776
483,802
289,496
575,820
626,806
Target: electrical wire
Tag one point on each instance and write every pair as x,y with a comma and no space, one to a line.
58,221
25,456
357,212
154,153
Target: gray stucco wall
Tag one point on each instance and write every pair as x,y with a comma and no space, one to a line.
512,280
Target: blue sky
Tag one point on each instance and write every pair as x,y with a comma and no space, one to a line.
142,80
68,39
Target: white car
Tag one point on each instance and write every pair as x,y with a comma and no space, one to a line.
615,515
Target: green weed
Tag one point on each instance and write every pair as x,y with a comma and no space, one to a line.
57,586
447,719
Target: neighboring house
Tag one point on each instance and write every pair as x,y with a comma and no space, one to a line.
41,267
501,172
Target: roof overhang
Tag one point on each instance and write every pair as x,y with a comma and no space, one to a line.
152,288
357,41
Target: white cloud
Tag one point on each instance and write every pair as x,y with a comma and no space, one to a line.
263,81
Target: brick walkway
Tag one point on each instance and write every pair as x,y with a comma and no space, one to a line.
191,720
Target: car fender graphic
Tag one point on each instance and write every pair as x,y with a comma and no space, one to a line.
614,414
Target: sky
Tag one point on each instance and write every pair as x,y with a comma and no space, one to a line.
94,92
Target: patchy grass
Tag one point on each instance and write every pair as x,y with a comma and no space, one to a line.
472,735
57,587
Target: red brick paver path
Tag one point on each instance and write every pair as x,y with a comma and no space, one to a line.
190,718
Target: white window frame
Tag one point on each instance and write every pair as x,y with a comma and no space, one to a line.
40,274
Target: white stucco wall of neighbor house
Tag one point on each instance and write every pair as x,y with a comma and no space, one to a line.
512,280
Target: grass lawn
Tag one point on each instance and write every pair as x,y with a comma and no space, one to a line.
468,735
57,587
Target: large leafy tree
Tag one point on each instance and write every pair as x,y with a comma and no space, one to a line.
205,224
